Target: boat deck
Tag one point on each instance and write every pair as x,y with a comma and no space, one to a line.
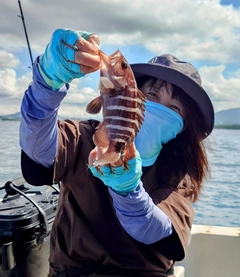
213,251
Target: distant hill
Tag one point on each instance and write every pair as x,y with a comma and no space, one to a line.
228,117
223,119
16,116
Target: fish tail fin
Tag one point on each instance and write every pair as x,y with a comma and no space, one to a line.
107,158
100,137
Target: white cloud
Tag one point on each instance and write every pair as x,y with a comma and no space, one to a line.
9,106
237,74
7,82
12,86
196,30
220,89
80,95
205,26
8,60
76,100
76,112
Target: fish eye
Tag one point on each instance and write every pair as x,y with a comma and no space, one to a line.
124,64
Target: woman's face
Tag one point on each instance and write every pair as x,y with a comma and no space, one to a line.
161,92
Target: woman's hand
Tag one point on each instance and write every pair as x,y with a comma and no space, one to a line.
115,175
97,152
69,55
87,55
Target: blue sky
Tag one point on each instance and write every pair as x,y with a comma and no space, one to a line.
235,3
203,32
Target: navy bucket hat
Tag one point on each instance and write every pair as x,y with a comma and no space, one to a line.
182,74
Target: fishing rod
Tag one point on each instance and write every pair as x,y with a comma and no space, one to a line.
25,30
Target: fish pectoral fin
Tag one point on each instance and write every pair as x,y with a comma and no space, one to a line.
100,138
107,158
94,106
105,85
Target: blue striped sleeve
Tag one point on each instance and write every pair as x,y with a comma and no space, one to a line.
38,128
140,217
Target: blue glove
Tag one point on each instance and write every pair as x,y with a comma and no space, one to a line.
56,64
122,181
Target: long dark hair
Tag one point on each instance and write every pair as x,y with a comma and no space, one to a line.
183,160
185,156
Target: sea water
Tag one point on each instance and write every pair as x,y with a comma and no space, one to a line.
219,202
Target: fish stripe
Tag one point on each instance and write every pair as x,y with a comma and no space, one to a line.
116,107
124,114
114,136
122,137
121,134
119,127
119,140
127,98
119,118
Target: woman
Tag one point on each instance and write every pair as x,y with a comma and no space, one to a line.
133,222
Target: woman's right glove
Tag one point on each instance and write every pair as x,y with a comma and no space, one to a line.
120,180
70,54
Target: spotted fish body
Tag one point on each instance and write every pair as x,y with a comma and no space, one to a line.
122,106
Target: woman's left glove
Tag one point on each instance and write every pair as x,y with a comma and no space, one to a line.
67,57
120,180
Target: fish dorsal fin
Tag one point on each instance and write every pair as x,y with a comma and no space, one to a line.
105,85
94,106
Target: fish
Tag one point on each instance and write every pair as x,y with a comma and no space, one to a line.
122,105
